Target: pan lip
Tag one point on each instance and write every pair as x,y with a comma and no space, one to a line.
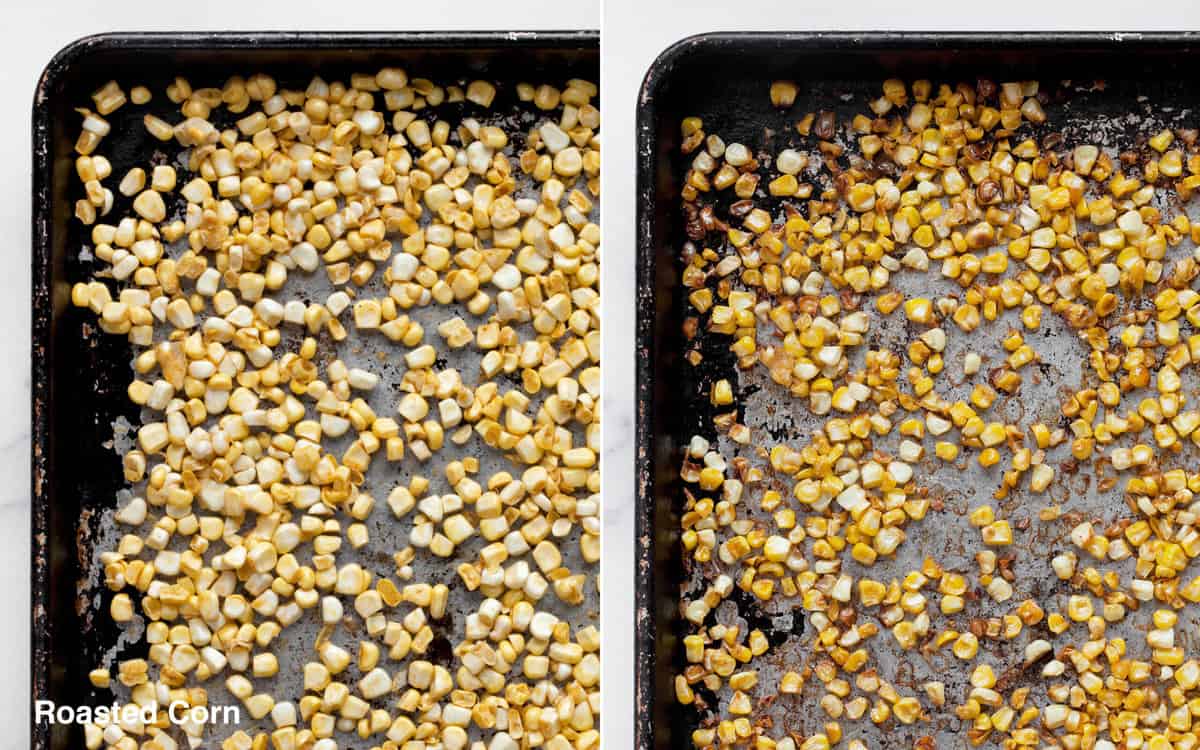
665,62
656,77
60,66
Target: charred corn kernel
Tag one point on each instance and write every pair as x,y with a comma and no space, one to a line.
783,93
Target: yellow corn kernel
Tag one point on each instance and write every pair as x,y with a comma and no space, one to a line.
997,534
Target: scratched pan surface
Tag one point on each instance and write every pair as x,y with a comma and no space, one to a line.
1149,83
80,412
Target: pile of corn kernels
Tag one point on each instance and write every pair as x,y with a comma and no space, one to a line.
249,474
956,184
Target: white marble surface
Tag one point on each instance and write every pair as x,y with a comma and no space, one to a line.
634,33
37,30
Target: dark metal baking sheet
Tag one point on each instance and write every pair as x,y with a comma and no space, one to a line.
724,78
79,374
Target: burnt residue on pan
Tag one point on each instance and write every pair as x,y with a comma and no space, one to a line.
1108,89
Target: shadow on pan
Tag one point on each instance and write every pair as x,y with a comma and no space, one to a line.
79,374
724,79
